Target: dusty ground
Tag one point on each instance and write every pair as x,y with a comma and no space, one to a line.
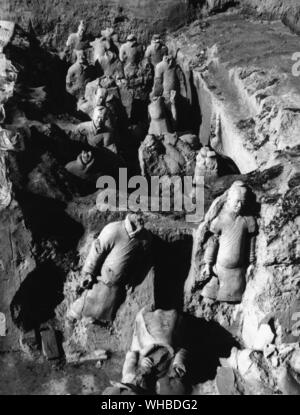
28,377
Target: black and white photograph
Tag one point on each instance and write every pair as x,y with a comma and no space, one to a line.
149,201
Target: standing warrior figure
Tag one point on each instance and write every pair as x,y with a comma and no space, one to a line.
120,252
100,132
76,41
79,75
131,51
111,65
156,362
156,50
166,79
231,248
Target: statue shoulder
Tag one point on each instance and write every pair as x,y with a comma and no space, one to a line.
71,41
216,224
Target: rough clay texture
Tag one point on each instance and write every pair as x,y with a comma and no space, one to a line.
251,97
249,109
252,116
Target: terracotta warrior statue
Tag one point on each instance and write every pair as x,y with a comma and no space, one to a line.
161,122
111,65
131,51
157,360
231,248
156,50
120,251
165,78
76,41
94,96
99,132
79,75
83,166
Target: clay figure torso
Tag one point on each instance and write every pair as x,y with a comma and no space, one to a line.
155,53
131,53
167,77
77,77
232,250
101,137
159,123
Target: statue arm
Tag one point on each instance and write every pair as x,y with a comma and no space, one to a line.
70,79
173,108
70,41
141,159
122,53
179,362
98,252
211,250
130,366
148,52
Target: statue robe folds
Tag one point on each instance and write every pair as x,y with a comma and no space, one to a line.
158,335
228,249
113,259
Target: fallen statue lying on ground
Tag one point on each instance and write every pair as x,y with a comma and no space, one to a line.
156,362
120,252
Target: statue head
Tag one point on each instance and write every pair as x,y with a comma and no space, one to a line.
81,56
170,60
236,197
156,39
81,29
108,33
131,38
99,115
100,95
136,221
86,156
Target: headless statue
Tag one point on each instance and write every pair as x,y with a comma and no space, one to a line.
156,362
206,164
160,121
131,51
111,65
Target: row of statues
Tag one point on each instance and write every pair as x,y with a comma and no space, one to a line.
108,78
103,77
